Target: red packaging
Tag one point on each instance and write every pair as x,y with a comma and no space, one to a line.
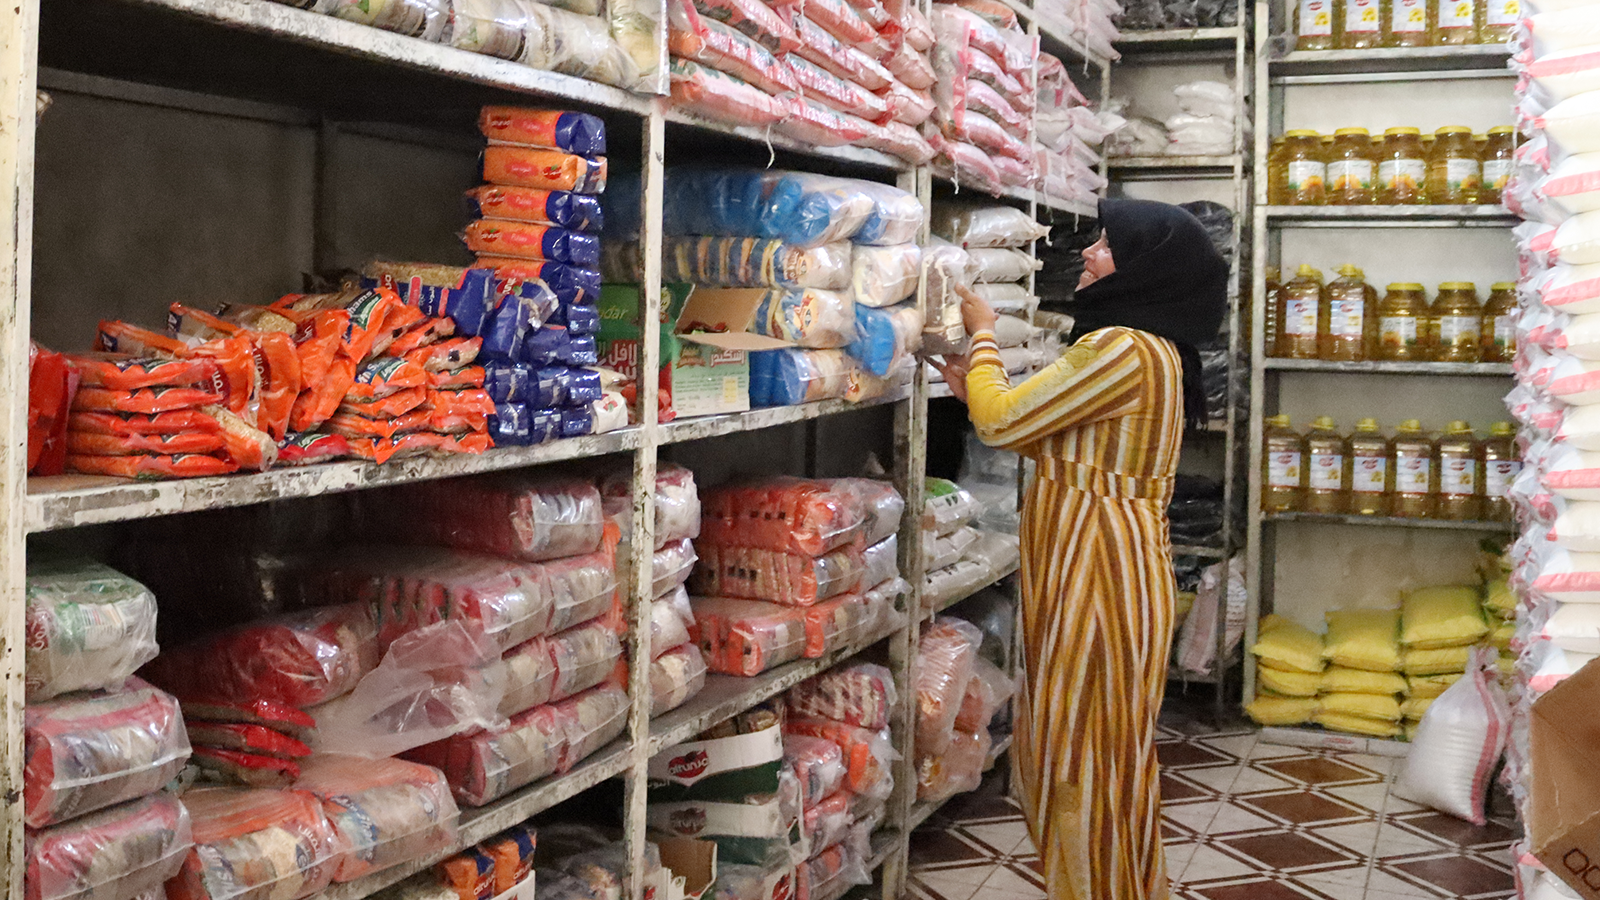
246,769
512,851
457,411
123,372
866,753
239,381
784,514
791,579
552,128
747,637
232,825
144,400
121,852
179,421
150,467
310,447
396,404
710,94
368,310
84,443
946,655
277,362
527,517
374,450
861,694
383,376
726,49
755,19
815,124
386,811
464,377
433,443
321,399
52,383
818,763
270,713
446,355
248,738
422,334
820,47
355,427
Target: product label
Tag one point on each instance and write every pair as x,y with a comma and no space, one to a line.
1327,471
1463,175
1346,318
1504,12
1402,174
1316,17
1350,174
1398,331
1457,13
1498,475
1361,16
1306,175
1411,474
1408,16
1458,476
1496,172
1459,330
1300,316
1505,333
1283,469
1369,474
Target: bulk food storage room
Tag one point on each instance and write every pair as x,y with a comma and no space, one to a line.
801,449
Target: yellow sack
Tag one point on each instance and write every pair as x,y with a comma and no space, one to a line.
1269,710
1507,666
1290,684
1435,617
1342,680
1410,730
1415,707
1500,637
1364,639
1366,706
1427,687
1498,597
1288,646
1444,661
1356,725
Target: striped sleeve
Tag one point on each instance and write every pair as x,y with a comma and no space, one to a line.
1097,379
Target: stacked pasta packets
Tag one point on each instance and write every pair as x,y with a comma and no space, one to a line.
958,558
540,219
958,693
825,74
1068,137
984,97
837,254
995,239
791,568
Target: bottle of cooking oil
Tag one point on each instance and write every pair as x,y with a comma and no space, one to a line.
1499,324
1272,301
1497,161
1315,27
1455,22
1403,330
1283,477
1352,164
1501,466
1457,319
1298,315
1348,318
1409,23
1498,19
1371,477
1402,167
1455,173
1327,485
1363,24
1416,479
1302,170
1460,483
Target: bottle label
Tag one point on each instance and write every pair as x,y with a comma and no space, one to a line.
1457,13
1283,469
1350,174
1300,316
1369,474
1460,330
1458,477
1346,318
1327,472
1463,175
1408,16
1361,17
1316,17
1498,475
1411,474
1306,175
1402,174
1398,331
1496,173
1505,333
1504,12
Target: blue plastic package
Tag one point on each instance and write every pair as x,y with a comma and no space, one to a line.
895,218
583,386
549,386
803,208
509,425
810,317
508,326
553,345
791,376
507,382
545,425
579,319
567,284
884,336
577,421
463,295
579,212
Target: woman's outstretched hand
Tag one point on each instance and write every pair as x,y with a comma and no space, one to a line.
954,369
975,311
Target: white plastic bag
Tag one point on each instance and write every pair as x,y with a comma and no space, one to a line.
1458,744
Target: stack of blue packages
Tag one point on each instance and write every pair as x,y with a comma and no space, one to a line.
547,388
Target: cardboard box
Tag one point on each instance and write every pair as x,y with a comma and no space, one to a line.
1564,798
725,769
705,363
691,865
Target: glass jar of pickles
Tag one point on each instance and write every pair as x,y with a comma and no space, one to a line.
1457,319
1402,170
1351,175
1455,173
1302,171
1403,332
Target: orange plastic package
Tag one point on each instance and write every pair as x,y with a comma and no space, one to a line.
355,426
179,421
552,129
432,443
83,443
248,446
317,334
369,311
321,399
276,356
151,467
52,382
446,355
122,372
549,170
464,377
145,400
396,404
239,384
710,94
383,376
428,331
460,410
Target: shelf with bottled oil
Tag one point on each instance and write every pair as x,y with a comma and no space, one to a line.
1392,216
1387,367
1388,521
1375,61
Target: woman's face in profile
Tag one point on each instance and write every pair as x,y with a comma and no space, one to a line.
1097,262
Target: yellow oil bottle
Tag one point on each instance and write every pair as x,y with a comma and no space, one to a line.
1416,479
1371,477
1327,484
1460,482
1283,475
1501,465
1298,312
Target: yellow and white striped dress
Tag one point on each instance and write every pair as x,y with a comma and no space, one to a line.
1103,424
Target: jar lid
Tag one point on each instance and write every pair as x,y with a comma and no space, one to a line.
1454,129
1502,429
1406,130
1278,421
1503,286
1306,270
1367,425
1458,427
1458,286
1350,271
1410,426
1352,131
1503,129
1324,423
1405,286
1300,133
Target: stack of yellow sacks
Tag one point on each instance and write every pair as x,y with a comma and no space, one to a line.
1439,627
1290,673
1361,687
1500,609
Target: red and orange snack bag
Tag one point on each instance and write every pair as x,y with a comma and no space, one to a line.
86,443
52,383
148,467
549,170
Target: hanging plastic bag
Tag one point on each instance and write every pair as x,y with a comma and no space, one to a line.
1459,744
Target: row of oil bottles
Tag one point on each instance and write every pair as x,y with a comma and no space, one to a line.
1364,24
1344,320
1411,475
1402,168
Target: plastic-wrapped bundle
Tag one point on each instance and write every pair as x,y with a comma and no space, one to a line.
986,226
787,578
672,566
734,262
747,637
884,276
812,318
881,505
841,20
386,811
529,673
593,719
945,658
565,284
942,550
710,94
948,506
1006,297
676,676
578,45
881,562
88,627
886,336
1002,265
670,617
548,170
839,621
906,106
988,690
111,855
90,751
955,770
965,164
490,27
677,502
704,40
818,763
791,376
301,659
828,821
584,655
553,345
860,694
564,130
867,753
783,513
834,92
822,126
865,386
253,844
525,517
896,138
527,240
755,19
424,19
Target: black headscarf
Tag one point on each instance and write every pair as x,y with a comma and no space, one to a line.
1169,281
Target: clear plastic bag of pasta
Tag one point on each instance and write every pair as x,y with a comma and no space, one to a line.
886,336
946,655
881,504
256,844
109,855
584,656
676,677
859,694
424,19
810,318
884,276
747,637
635,27
791,376
801,515
970,226
955,770
818,764
573,44
387,811
791,579
89,627
490,27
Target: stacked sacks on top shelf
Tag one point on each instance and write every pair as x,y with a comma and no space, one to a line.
958,692
1069,137
984,98
792,568
1088,24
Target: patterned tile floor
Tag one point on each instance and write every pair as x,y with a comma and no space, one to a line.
1243,820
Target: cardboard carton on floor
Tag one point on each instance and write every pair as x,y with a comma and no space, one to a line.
691,867
1564,798
705,344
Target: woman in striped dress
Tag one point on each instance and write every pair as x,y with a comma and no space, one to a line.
1103,425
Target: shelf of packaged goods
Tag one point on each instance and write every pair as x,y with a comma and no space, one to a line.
1022,195
1380,367
1386,60
261,50
1169,166
1167,40
725,696
1199,551
933,606
1074,50
1389,216
767,417
1388,522
1001,744
859,156
481,823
